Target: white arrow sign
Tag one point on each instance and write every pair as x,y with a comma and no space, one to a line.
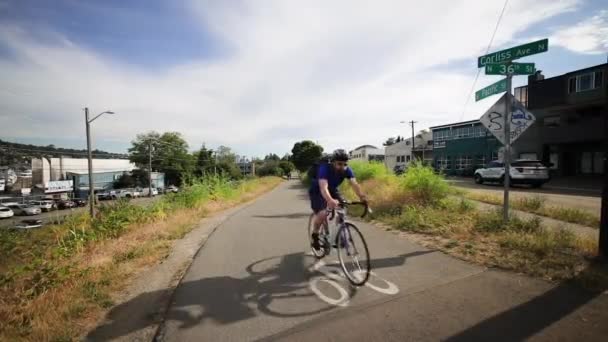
494,120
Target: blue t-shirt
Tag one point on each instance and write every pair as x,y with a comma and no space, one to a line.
334,179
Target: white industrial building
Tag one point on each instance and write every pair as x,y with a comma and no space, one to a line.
401,153
45,170
367,153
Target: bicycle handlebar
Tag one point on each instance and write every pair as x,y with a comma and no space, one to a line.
344,204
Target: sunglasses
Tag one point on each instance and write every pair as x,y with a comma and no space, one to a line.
342,164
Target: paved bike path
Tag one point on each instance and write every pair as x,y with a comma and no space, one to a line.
254,280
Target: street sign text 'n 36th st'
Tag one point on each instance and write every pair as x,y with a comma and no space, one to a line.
510,68
514,53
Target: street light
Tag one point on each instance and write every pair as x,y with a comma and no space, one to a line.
91,189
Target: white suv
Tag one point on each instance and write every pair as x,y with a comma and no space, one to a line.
523,171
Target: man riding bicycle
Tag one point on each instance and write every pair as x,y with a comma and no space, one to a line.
324,192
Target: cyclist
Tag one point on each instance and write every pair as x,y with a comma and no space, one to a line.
324,192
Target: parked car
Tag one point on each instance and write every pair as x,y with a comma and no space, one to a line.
28,224
43,205
6,212
136,192
80,202
399,169
106,195
65,204
24,209
146,192
523,171
172,188
122,193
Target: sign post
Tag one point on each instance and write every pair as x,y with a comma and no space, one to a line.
507,154
501,63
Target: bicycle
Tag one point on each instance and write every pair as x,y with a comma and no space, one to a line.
344,243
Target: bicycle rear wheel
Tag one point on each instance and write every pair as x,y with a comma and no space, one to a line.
353,254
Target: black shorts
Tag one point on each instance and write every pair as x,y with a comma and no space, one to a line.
318,203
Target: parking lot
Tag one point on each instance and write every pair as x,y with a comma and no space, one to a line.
584,195
59,215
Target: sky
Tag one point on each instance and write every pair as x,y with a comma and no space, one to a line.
258,76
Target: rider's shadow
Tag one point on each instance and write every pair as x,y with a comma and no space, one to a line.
226,299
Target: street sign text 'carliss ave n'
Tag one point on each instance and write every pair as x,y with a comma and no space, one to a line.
514,53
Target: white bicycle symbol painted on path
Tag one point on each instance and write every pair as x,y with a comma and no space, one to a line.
333,275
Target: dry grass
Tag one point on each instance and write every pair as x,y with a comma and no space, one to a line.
454,226
58,300
536,205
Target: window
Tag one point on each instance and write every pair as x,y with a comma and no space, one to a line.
552,121
584,82
429,143
554,160
407,159
521,95
598,163
529,156
443,163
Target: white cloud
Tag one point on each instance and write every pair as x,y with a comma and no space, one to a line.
589,36
343,73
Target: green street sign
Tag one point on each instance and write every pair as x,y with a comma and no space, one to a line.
492,89
514,53
510,68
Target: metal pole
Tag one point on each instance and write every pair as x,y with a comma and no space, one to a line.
603,241
90,157
412,123
507,154
150,169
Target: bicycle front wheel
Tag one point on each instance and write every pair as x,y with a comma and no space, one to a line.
353,254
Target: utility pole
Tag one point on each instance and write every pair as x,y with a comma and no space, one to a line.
90,157
149,168
507,154
603,243
413,137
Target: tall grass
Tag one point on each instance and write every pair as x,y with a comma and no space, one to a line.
368,170
37,263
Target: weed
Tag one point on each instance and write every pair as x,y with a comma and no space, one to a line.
489,221
427,187
531,204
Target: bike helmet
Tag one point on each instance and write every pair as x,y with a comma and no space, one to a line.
339,155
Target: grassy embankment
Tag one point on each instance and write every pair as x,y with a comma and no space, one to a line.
537,205
419,204
56,282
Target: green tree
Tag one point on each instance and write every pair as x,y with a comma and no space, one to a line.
272,156
305,154
286,166
205,161
286,157
390,141
270,168
169,155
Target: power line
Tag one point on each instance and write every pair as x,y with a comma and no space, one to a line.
479,69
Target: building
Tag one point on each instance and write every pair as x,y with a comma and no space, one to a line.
460,148
401,153
367,153
571,120
104,181
45,170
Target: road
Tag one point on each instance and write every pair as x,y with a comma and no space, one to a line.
254,280
58,215
584,199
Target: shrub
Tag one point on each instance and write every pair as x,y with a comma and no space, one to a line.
368,170
427,187
489,221
533,203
